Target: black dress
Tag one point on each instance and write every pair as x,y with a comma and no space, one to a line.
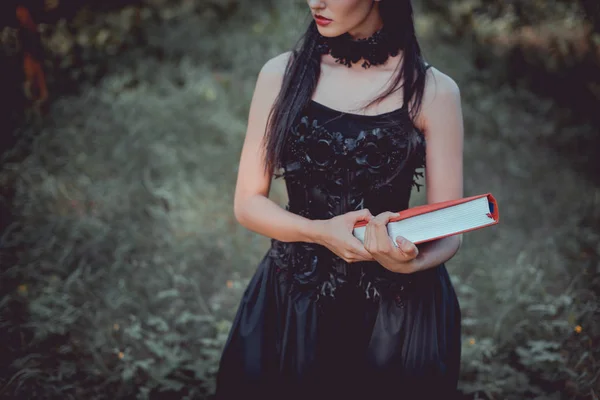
312,326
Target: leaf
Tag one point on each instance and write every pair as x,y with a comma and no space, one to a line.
157,322
547,309
134,331
165,294
187,316
169,384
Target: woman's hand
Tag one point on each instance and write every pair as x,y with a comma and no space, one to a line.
336,235
378,243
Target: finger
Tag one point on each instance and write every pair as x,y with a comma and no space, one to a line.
368,240
356,256
379,233
407,247
363,214
362,258
374,225
383,218
359,250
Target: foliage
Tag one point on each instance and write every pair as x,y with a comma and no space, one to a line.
126,263
73,42
120,282
553,46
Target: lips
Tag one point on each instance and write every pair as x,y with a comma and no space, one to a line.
319,17
322,20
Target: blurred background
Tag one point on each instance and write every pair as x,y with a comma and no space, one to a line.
122,122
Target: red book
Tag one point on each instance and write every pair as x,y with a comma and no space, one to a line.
438,220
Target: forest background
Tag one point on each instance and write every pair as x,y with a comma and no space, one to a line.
121,260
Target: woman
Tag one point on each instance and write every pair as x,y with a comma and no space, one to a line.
324,315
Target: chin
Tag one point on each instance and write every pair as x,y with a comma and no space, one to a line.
328,31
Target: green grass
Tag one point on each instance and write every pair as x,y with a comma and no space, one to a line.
131,263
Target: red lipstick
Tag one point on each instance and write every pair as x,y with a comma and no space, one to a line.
322,21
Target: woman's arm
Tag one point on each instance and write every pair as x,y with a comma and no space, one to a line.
441,120
252,207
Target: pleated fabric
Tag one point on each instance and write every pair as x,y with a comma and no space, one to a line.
286,346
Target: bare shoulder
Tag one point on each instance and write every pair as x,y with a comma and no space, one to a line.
274,68
269,81
441,96
440,84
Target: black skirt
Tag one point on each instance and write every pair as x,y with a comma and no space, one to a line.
284,344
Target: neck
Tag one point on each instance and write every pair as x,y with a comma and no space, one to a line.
372,50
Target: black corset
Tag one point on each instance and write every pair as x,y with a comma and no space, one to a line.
339,162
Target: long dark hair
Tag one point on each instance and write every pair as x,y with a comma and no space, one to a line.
304,67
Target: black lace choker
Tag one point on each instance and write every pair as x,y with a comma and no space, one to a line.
374,50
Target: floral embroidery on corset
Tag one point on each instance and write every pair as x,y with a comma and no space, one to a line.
324,154
302,266
329,173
